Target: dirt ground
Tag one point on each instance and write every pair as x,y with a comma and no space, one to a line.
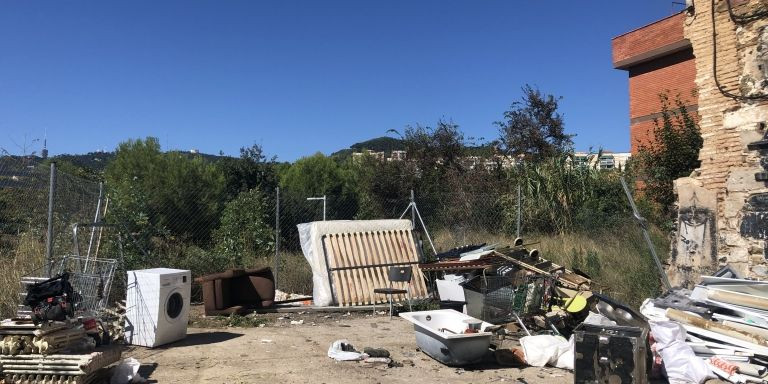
279,352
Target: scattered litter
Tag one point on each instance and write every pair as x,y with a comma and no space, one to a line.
377,361
542,350
297,322
127,372
266,341
342,350
376,352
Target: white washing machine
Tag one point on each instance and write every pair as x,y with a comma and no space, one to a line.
157,306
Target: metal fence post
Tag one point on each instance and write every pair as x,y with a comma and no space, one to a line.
413,211
519,209
49,240
277,233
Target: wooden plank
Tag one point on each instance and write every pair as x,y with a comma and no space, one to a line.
345,275
367,272
376,278
338,284
355,261
351,261
380,250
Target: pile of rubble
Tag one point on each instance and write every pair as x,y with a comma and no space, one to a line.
723,321
67,351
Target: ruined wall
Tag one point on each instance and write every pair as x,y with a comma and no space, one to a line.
724,205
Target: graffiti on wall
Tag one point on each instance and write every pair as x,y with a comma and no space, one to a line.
754,222
695,236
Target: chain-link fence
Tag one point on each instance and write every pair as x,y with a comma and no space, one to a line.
27,189
197,224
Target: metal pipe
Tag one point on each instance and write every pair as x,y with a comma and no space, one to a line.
519,209
96,219
49,240
643,224
101,230
277,233
426,232
413,212
319,198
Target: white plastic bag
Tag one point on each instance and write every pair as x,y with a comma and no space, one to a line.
680,363
127,372
338,353
541,350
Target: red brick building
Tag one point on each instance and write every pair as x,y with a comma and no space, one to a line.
658,58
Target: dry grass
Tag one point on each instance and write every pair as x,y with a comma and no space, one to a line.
19,256
294,274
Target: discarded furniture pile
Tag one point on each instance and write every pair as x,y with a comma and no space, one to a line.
511,284
236,291
723,321
54,352
534,312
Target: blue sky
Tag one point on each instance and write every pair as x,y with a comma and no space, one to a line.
299,77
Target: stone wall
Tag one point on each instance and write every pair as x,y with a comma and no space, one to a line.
723,205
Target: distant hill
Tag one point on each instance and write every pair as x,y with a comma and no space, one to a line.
379,144
389,144
93,161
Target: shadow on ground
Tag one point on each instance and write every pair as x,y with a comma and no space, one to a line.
203,338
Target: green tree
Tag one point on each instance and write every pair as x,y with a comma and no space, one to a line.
244,234
533,127
433,148
671,154
315,175
169,194
251,170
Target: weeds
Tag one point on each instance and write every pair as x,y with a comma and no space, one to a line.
23,258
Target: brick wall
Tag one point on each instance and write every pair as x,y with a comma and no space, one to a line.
659,59
658,34
675,72
725,182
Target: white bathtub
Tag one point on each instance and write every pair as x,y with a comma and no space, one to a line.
440,334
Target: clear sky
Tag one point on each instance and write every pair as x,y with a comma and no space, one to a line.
299,77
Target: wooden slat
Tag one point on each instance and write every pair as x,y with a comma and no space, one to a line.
368,260
355,278
347,280
360,251
367,272
379,258
337,276
359,278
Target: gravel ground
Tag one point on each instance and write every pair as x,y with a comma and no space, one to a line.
281,352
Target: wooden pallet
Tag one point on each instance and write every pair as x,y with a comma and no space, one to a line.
359,262
58,365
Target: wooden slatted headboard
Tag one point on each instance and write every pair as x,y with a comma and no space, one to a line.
358,262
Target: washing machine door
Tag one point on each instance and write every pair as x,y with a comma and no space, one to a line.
174,306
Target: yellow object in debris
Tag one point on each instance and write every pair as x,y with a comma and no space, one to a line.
573,304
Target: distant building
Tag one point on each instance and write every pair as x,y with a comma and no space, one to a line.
397,156
602,160
658,58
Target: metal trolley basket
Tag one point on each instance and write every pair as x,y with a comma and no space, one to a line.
91,278
503,299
